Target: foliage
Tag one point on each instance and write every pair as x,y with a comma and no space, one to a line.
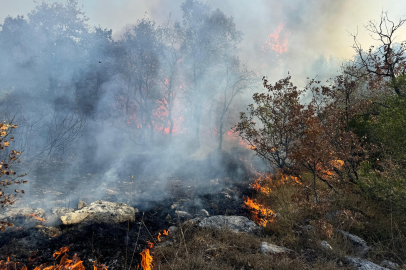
6,170
316,137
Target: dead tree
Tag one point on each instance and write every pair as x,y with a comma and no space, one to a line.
385,63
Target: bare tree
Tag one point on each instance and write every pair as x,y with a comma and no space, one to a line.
385,63
238,79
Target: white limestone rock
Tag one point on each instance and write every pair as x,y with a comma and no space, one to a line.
273,249
361,264
233,223
101,212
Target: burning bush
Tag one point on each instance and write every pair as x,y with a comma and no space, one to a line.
7,199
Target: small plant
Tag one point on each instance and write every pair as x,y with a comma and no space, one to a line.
8,177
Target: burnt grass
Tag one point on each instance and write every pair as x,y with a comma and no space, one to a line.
119,245
111,244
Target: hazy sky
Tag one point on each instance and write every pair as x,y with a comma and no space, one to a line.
301,30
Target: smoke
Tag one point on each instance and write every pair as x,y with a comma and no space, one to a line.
89,133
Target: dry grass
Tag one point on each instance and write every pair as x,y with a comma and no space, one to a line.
199,248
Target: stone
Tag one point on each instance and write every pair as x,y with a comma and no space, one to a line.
326,245
203,213
183,214
172,229
233,223
101,212
390,265
360,245
273,249
361,264
54,217
81,204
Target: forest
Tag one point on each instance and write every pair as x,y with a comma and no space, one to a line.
172,106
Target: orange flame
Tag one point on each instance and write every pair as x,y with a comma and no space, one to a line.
164,233
262,215
150,244
65,263
37,218
275,42
146,262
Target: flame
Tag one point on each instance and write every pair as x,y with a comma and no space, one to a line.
65,263
276,42
37,218
146,262
161,113
264,184
241,142
262,215
164,233
166,81
150,244
5,265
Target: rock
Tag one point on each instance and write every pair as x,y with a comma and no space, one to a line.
390,265
74,218
101,212
54,218
225,195
233,223
360,245
172,229
273,249
81,204
183,214
326,245
202,213
361,264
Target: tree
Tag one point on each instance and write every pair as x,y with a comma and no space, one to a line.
316,137
280,126
387,62
207,32
237,79
172,36
140,64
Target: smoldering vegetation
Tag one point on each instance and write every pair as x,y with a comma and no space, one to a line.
120,119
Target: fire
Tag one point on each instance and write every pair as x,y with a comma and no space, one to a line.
5,265
146,262
150,245
276,42
164,233
241,142
264,184
37,218
161,114
65,263
262,215
166,81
